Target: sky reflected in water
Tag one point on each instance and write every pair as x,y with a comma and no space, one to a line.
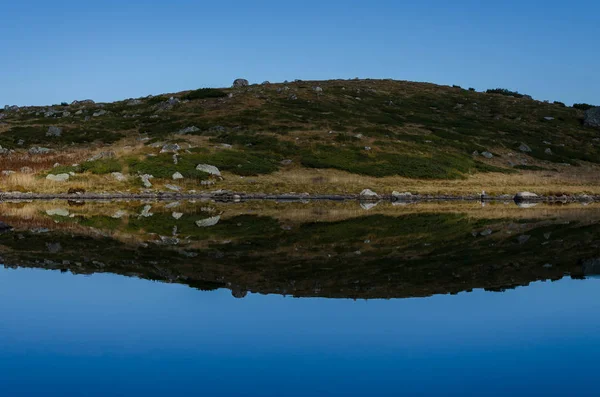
111,335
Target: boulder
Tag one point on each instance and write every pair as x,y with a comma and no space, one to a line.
102,155
26,170
524,196
146,180
209,169
170,147
7,172
177,176
99,113
208,222
487,155
39,150
401,196
83,102
524,148
369,194
318,90
592,117
548,151
118,176
188,130
54,131
173,187
58,177
240,83
58,212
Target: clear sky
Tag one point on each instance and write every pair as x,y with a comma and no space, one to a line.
53,51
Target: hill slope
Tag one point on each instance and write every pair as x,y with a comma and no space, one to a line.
333,136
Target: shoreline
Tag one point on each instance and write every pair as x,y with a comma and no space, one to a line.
228,196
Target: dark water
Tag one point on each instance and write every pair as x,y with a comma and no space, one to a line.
290,300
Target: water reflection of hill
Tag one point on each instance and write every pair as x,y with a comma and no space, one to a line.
321,249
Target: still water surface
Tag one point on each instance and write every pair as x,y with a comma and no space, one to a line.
288,316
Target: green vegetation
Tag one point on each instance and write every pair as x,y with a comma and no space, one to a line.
505,92
204,93
102,166
582,106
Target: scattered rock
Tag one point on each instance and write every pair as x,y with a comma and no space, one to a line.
118,176
487,155
548,151
170,147
548,118
592,117
208,222
99,113
146,180
318,90
58,177
54,248
58,212
134,102
293,97
177,176
39,150
83,102
209,169
475,153
367,148
524,196
7,172
188,130
401,196
368,193
238,83
486,232
173,187
119,214
102,156
146,211
524,148
523,238
177,215
286,162
54,131
26,170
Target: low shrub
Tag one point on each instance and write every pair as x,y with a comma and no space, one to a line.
505,92
582,106
204,93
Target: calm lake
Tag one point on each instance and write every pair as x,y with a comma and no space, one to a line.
298,299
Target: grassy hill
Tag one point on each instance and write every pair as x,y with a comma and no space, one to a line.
325,136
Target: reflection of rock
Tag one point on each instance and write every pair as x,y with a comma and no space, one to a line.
526,205
57,212
54,248
591,267
368,194
239,293
401,196
524,196
368,206
177,215
146,211
208,222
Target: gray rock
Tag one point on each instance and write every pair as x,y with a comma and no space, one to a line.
119,214
209,169
293,97
217,129
487,155
102,155
266,82
7,172
548,151
118,176
146,180
475,153
524,148
79,112
39,150
146,211
58,212
401,196
66,114
177,176
523,196
54,131
548,118
240,83
208,222
54,248
134,102
170,147
173,187
523,238
368,193
83,102
99,113
177,215
318,90
286,162
26,170
188,130
58,177
592,117
486,232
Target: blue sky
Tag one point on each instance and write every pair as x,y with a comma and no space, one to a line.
53,51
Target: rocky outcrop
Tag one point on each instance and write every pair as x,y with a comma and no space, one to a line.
592,117
238,83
